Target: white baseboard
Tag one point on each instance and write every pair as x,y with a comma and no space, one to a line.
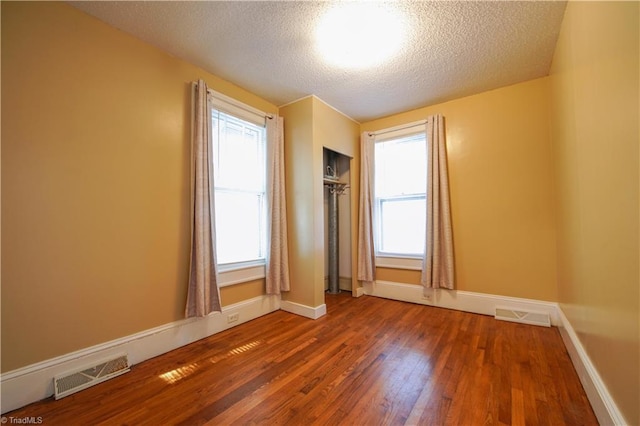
303,310
35,382
344,283
467,301
601,401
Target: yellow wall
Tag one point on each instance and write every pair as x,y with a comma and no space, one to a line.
239,292
310,125
95,182
304,189
95,186
500,172
334,130
341,134
594,82
405,276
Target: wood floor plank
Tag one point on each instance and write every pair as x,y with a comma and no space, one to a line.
369,361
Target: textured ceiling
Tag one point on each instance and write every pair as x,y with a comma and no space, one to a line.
454,49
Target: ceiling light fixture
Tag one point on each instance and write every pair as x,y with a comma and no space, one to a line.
358,35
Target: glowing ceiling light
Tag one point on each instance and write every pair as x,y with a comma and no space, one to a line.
360,34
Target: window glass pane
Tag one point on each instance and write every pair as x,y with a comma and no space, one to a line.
239,166
401,167
239,157
400,192
239,226
402,225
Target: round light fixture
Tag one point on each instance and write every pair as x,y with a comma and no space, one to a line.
358,35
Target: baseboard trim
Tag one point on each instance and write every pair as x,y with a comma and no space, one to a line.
344,283
303,310
467,301
601,401
34,382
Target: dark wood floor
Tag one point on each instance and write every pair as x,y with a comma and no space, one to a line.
369,361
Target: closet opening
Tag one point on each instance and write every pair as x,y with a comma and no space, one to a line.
337,229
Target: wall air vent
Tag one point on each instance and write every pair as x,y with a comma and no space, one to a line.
525,317
77,380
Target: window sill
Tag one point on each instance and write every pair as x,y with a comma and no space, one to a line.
395,262
238,273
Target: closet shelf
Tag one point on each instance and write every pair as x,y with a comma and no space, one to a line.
335,186
332,180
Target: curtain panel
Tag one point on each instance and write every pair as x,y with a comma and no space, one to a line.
438,261
203,294
366,250
277,270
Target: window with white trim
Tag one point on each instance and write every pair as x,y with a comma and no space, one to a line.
400,187
239,164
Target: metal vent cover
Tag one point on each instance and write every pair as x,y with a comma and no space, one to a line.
77,380
522,316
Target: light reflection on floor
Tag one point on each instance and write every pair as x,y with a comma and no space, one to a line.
180,373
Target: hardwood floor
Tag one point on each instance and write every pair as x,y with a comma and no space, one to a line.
369,361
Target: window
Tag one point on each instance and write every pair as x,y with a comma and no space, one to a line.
400,195
240,189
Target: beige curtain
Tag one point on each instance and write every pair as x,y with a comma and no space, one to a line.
203,296
437,263
277,273
366,251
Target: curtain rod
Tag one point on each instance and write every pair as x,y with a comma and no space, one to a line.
253,111
239,105
401,127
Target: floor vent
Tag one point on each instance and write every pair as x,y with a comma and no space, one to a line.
77,380
525,317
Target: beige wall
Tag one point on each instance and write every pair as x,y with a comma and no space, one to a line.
95,182
594,81
500,171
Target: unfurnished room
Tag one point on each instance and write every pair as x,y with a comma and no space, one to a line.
320,213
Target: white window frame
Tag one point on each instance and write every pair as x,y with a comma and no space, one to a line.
239,272
386,259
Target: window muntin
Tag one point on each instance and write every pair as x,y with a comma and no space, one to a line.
239,164
400,195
